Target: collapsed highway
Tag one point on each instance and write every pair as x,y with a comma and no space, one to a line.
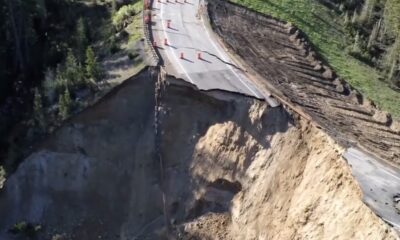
284,63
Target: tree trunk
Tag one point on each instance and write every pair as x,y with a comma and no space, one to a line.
17,38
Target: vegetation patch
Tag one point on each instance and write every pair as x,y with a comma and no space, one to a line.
74,40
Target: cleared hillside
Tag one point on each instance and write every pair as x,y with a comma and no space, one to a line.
326,30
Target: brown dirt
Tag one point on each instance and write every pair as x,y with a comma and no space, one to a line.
285,62
232,168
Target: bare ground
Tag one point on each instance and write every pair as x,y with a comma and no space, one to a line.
281,57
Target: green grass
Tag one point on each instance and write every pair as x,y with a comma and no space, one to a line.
135,28
326,31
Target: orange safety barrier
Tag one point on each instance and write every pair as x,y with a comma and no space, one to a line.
147,19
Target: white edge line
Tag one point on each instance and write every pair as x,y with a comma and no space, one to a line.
223,57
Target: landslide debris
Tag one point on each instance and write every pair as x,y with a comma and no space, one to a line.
209,165
285,61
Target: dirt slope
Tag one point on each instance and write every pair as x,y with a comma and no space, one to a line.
93,177
281,54
288,182
232,168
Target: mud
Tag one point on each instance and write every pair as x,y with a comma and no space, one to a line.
284,61
161,160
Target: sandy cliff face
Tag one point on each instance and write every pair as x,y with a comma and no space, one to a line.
232,168
294,184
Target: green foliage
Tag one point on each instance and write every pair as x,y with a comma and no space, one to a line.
113,6
82,41
2,176
357,43
64,105
38,111
20,226
123,16
374,34
92,66
26,229
73,72
367,10
392,16
50,85
392,61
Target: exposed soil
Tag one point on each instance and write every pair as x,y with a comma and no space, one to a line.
285,62
230,167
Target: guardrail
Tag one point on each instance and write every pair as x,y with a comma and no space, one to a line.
147,20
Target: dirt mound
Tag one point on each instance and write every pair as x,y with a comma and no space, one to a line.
230,167
281,54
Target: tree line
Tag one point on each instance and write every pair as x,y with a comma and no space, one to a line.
46,53
375,28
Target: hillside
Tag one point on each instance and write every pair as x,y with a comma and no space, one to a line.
326,29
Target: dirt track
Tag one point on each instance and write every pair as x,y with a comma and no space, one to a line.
279,53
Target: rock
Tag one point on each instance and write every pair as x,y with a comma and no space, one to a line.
339,85
382,117
312,57
291,29
395,126
318,67
328,73
356,97
303,52
340,88
294,36
368,103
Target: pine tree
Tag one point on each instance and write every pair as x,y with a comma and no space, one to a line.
356,45
71,65
374,34
50,85
367,10
346,18
64,104
73,72
92,66
38,111
355,17
81,39
113,6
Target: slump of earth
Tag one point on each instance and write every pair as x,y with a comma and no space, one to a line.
158,159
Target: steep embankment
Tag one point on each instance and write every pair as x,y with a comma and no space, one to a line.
93,177
286,62
232,168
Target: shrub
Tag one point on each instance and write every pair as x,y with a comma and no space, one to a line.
123,16
64,105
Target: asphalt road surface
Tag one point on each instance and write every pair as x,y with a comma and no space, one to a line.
380,184
192,52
